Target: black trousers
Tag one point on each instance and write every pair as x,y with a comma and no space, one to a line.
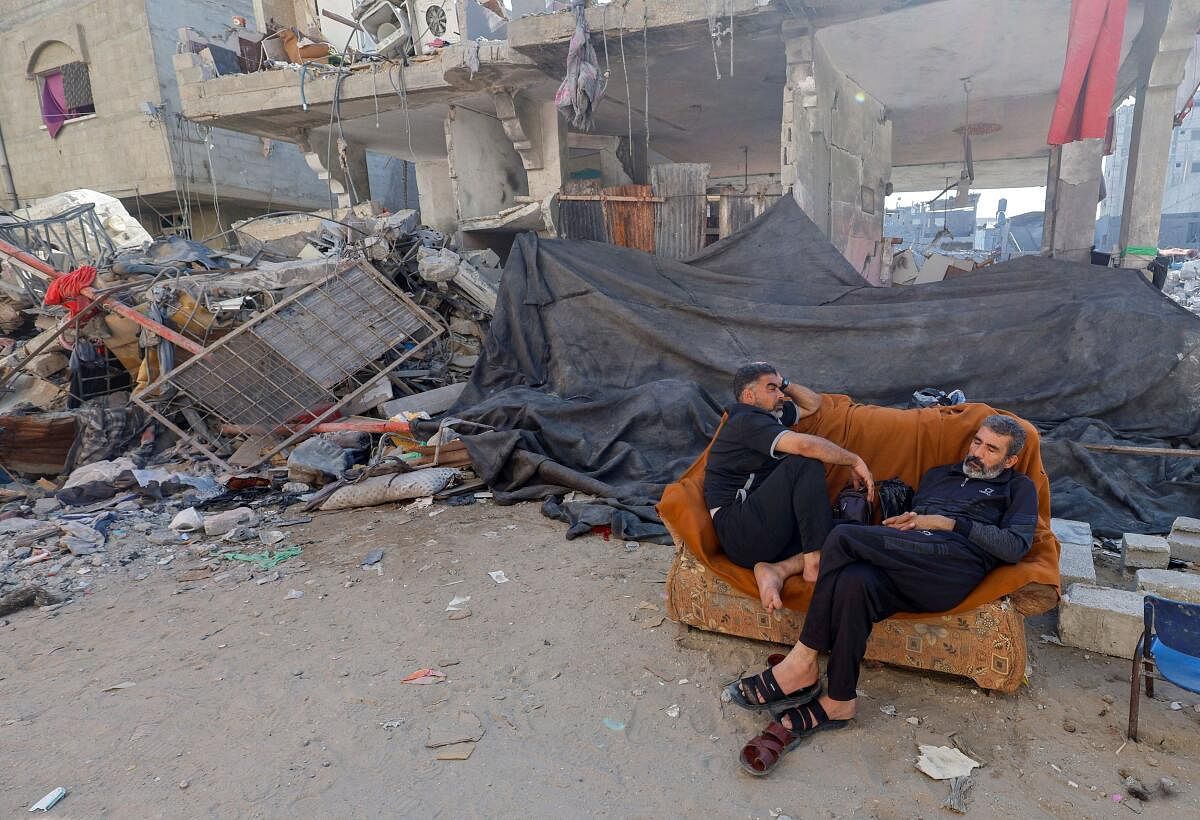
870,573
788,514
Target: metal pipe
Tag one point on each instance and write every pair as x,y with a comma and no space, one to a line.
22,258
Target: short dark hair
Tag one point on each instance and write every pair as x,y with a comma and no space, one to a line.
1007,426
748,374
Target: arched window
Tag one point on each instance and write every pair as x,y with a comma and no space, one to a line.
64,86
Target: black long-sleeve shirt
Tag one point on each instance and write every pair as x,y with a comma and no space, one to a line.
998,515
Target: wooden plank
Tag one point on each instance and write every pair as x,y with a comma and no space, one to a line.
1129,450
679,224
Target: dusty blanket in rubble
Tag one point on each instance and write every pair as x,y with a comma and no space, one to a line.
605,368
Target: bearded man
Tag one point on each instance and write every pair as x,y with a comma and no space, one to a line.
967,519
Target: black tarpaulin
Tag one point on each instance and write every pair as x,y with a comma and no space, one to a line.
605,368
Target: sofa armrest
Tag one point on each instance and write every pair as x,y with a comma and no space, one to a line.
1034,599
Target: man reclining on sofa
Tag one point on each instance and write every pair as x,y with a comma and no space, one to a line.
966,520
764,484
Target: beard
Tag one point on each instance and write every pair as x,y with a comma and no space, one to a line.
973,468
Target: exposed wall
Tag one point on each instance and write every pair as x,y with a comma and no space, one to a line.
117,151
243,167
836,153
486,173
438,208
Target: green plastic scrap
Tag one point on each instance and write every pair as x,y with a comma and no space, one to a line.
1141,250
265,559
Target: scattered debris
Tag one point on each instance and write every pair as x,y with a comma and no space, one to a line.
424,676
371,558
47,802
456,603
944,762
498,576
119,686
463,728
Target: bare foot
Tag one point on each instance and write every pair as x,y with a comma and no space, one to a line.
770,578
812,566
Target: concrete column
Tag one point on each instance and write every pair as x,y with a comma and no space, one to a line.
435,197
1149,151
836,152
804,147
1072,193
1162,70
354,175
546,130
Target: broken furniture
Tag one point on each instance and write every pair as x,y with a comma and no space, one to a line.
275,378
983,638
1168,649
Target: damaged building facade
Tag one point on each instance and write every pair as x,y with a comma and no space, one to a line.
90,100
713,110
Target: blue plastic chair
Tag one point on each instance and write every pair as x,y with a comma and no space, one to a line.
1168,649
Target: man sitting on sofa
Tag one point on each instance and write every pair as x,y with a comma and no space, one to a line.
765,484
966,520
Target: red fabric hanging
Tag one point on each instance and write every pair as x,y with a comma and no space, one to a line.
1090,73
64,289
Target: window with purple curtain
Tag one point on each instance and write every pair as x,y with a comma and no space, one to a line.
56,108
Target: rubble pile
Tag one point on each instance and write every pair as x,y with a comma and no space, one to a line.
147,387
1183,285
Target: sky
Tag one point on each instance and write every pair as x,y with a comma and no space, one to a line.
1020,200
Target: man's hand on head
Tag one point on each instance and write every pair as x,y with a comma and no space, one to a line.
912,521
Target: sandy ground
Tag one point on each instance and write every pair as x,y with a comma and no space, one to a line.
248,703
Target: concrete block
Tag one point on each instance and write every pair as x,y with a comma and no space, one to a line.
1184,540
1165,583
1098,619
1077,532
1075,565
1144,551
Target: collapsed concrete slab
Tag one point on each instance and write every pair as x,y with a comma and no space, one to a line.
1098,619
1184,540
1144,551
1165,583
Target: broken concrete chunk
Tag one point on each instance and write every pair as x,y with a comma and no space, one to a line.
1184,540
1165,583
464,728
431,401
1075,564
223,522
1098,619
1144,551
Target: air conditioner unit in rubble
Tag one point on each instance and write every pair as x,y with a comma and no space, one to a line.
436,19
409,26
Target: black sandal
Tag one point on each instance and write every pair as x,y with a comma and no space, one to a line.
809,718
764,687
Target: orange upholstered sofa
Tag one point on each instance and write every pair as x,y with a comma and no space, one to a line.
983,638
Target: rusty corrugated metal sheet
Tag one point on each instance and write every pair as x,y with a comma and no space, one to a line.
679,225
630,224
580,219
